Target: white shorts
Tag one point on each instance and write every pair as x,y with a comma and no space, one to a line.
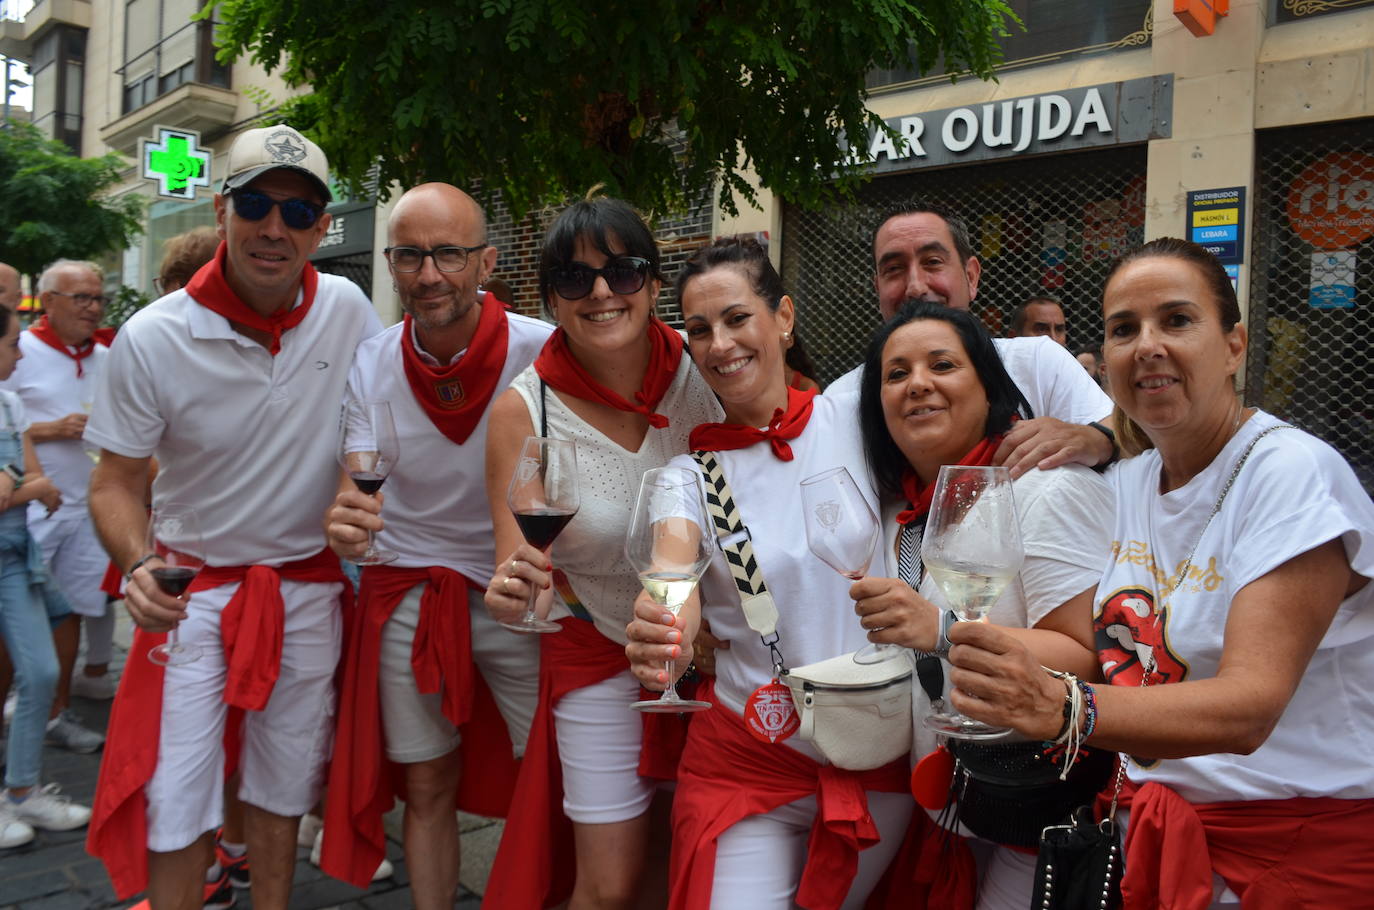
759,859
598,744
414,722
75,558
285,746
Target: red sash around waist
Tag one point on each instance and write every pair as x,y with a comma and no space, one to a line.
726,775
251,631
1274,854
363,784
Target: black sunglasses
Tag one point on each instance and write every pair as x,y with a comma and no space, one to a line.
298,214
624,275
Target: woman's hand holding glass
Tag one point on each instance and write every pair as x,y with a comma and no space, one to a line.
1012,688
526,570
658,638
894,614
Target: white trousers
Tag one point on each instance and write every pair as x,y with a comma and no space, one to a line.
598,744
285,745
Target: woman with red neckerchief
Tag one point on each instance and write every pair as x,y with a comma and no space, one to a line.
612,378
746,807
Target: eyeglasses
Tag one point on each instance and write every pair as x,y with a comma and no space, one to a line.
166,284
574,281
297,214
446,258
84,299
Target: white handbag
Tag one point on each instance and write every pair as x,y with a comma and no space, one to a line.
856,715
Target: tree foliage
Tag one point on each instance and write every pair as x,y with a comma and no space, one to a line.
52,203
541,99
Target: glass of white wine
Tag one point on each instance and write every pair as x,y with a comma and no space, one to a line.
669,543
972,548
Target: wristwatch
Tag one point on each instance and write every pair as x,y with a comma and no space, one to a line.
15,472
943,644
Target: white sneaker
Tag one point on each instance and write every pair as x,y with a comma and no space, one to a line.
96,688
384,868
13,832
45,808
310,828
66,732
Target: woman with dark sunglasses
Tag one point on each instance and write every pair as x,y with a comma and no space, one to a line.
614,379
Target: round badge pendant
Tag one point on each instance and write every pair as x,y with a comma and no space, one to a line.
769,713
931,777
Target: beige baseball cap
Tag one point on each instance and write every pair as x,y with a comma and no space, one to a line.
257,151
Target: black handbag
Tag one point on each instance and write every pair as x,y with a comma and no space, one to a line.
1080,864
1009,793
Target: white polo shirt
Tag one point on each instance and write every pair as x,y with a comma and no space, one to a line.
46,380
436,510
1054,383
246,438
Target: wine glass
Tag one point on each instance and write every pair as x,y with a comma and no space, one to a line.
174,535
670,543
543,497
972,548
368,451
842,530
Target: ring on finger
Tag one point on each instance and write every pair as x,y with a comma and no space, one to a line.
505,584
514,566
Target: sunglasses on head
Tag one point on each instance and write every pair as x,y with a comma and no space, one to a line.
297,214
623,275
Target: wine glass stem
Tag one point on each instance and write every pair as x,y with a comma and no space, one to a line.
172,638
371,545
670,693
531,617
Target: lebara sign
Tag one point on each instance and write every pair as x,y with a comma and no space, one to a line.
1115,113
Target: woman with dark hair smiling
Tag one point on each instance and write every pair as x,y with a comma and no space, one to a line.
612,378
934,393
1233,623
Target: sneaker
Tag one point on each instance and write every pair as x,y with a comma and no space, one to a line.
384,868
219,894
236,867
66,732
45,808
96,688
309,830
13,832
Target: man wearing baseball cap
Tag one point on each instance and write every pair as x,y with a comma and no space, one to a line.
233,383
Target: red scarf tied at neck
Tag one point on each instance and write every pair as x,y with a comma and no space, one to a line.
785,425
210,289
920,494
44,332
558,367
455,397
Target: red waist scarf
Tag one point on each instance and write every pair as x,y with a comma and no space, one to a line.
210,289
785,425
43,331
363,784
251,631
919,495
558,367
454,397
535,863
1275,854
726,775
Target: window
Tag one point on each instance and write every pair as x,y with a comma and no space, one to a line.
164,48
58,69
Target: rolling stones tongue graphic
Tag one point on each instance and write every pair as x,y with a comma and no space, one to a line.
1126,632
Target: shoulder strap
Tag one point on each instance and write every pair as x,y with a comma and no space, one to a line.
759,610
543,408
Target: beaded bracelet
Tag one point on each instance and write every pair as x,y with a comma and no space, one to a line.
1089,708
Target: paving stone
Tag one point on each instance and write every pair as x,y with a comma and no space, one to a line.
38,884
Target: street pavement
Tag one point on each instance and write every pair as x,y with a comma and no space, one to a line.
54,872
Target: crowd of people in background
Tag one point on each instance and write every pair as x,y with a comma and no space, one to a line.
1193,602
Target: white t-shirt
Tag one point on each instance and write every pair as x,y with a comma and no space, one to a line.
1293,494
18,419
1066,525
591,549
436,512
246,438
816,618
47,382
1054,383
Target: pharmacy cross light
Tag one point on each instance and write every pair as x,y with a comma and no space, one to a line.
176,162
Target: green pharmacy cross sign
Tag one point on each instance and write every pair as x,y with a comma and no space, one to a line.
176,161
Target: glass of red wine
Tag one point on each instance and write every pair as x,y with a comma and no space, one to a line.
543,497
368,450
174,535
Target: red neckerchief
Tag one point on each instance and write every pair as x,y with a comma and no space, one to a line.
558,367
722,437
919,495
44,332
210,289
455,397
